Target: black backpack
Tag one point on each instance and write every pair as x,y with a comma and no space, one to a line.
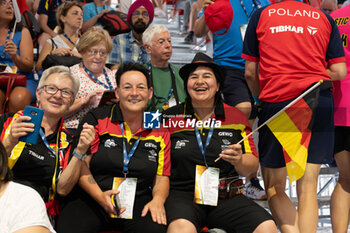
30,22
115,22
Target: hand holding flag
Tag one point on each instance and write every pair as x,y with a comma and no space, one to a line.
290,127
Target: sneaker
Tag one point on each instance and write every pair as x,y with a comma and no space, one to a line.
253,190
190,37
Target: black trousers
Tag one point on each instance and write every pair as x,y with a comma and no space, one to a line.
85,215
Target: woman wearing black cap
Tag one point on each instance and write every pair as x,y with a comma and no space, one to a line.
204,192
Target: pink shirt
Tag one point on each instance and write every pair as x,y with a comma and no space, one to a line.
87,86
341,89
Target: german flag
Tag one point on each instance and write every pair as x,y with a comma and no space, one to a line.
292,128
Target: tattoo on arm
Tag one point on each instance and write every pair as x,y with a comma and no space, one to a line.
91,180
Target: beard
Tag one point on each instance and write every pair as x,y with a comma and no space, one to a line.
139,26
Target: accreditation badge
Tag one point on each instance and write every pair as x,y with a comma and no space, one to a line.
243,29
172,102
206,185
127,189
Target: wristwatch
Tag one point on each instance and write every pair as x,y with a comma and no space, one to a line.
79,156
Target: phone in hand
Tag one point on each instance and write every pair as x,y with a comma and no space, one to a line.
107,96
36,115
116,203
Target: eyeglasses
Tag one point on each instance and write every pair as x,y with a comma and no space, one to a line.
137,14
94,52
6,3
52,90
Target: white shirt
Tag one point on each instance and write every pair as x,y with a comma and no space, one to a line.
21,207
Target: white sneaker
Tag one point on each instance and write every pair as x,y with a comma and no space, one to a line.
253,190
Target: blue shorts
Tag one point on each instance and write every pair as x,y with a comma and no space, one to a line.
322,138
236,89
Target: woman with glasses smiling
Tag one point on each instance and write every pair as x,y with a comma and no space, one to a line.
94,76
44,166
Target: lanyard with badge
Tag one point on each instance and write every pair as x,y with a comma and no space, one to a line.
207,178
172,98
243,27
109,87
55,153
126,185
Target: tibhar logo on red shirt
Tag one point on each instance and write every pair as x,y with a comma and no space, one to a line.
290,28
312,30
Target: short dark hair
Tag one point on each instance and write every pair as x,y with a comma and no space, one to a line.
5,171
133,66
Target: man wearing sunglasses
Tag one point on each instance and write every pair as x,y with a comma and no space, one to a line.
128,47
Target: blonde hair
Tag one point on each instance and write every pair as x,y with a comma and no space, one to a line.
92,37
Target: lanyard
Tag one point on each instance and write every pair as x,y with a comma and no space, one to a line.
255,4
104,7
173,89
43,137
126,156
67,37
200,143
109,87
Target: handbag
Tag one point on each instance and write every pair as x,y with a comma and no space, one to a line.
115,22
56,60
9,81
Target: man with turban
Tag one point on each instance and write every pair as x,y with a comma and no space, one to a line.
128,47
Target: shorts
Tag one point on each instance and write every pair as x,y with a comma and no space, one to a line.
321,145
236,89
341,138
235,214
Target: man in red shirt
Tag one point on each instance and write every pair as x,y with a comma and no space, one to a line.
289,46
